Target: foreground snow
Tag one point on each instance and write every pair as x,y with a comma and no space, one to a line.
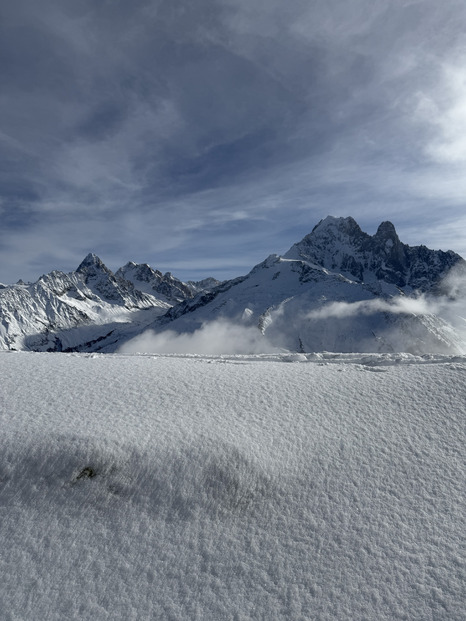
293,486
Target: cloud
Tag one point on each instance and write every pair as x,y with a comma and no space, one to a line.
445,111
175,122
398,306
448,304
214,337
430,322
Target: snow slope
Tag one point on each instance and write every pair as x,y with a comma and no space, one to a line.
303,306
340,289
318,486
79,310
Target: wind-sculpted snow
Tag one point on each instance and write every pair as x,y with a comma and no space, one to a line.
281,486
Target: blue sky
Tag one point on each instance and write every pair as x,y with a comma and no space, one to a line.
202,136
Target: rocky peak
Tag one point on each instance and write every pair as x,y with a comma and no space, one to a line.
386,230
142,272
92,265
331,228
339,245
386,238
163,286
110,287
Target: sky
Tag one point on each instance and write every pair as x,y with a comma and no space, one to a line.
200,137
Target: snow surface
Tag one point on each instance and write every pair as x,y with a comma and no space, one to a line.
292,486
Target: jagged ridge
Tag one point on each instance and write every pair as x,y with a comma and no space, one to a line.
93,309
77,310
339,244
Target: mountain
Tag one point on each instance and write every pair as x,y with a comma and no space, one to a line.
80,309
338,289
199,286
164,286
339,245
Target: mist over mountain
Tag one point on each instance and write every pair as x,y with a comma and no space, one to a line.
338,289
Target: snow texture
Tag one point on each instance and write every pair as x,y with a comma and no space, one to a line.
293,486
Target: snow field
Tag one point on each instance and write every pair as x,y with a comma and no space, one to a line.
232,487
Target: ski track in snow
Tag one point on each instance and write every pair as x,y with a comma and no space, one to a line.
289,486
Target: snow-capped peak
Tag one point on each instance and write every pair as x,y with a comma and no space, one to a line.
164,286
337,289
92,264
345,225
339,245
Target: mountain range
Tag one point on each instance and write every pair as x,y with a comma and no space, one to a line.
338,289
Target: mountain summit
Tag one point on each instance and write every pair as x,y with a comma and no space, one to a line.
164,286
92,265
339,244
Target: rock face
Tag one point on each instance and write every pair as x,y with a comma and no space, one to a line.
107,286
163,286
153,282
339,245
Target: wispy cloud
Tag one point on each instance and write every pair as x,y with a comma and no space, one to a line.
444,110
213,337
397,306
448,304
171,121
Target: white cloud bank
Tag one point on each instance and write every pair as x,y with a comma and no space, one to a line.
450,303
399,306
214,337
